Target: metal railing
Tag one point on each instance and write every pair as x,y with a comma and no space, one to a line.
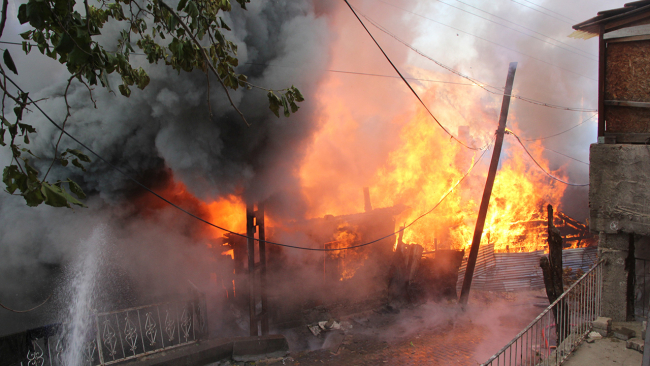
124,334
559,329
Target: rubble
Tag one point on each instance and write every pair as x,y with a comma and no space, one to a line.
595,335
603,326
635,344
623,333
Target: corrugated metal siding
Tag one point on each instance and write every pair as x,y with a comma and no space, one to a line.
506,272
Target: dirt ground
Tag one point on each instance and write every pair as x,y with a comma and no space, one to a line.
429,334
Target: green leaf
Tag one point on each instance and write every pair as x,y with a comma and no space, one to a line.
76,189
54,195
124,90
181,5
294,107
76,163
274,104
33,197
297,94
78,154
65,45
9,62
285,106
13,178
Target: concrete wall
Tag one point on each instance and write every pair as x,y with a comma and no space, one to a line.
619,191
619,205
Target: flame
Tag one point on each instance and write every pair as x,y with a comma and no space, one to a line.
347,262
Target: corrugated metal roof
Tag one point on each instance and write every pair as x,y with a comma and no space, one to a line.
592,26
507,272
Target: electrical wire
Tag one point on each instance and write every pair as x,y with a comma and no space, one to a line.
480,84
114,167
487,40
540,166
409,85
554,12
539,11
517,30
526,28
565,131
565,155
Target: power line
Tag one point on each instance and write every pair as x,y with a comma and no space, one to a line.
114,167
516,30
565,131
524,27
540,166
480,84
554,12
369,74
407,83
487,40
539,11
328,70
565,155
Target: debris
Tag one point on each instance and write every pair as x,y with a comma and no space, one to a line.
623,333
635,344
603,326
287,359
595,335
315,330
322,325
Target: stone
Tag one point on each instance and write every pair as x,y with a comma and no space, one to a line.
635,344
623,333
595,335
603,323
258,348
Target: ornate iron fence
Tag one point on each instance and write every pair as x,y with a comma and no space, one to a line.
559,329
121,335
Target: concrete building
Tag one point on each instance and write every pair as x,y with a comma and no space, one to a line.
619,193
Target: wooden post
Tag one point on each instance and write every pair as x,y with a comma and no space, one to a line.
250,245
264,317
552,271
480,222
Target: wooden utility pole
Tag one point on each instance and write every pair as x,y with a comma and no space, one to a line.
482,212
250,245
257,284
264,316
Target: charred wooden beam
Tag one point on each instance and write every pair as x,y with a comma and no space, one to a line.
250,245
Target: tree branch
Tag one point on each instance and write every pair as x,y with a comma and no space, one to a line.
206,57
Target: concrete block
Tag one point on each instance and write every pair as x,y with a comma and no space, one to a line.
613,241
623,333
619,191
257,348
635,344
595,335
603,323
602,332
614,284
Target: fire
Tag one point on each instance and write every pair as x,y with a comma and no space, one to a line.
425,164
345,262
229,212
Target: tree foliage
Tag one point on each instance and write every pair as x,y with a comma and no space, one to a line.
189,35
